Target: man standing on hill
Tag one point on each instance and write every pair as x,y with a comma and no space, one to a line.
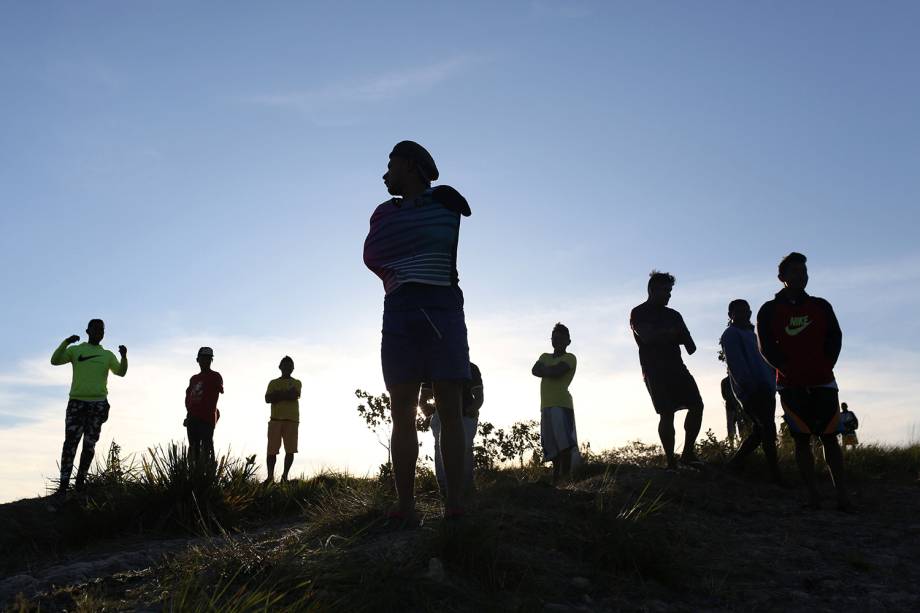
557,410
753,383
412,246
88,407
201,405
283,394
659,332
800,337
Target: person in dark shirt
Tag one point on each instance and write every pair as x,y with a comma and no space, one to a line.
659,333
201,406
473,398
799,336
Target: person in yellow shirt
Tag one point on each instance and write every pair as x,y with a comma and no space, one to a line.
88,406
557,411
283,394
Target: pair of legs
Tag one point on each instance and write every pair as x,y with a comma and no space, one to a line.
761,409
559,439
833,455
809,412
270,465
200,439
84,420
469,434
281,431
692,424
404,441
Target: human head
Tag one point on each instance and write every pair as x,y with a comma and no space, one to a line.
411,168
739,312
660,285
95,331
793,272
844,407
286,366
560,337
205,357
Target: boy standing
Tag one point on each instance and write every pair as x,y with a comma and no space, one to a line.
201,406
659,333
800,337
557,410
88,407
283,394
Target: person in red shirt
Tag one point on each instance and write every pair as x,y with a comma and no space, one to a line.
201,406
800,337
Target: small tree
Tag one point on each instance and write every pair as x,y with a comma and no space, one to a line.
524,437
375,411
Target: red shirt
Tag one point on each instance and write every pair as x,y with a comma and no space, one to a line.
201,396
800,339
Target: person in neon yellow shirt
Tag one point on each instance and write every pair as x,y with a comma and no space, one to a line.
283,394
88,407
557,410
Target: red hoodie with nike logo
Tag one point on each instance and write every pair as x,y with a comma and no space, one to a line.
801,338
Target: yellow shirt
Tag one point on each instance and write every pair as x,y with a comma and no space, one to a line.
285,409
554,391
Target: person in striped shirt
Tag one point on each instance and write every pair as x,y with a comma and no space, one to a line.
412,247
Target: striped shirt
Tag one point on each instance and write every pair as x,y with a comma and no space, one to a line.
416,242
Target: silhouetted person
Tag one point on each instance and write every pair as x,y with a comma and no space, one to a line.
753,383
800,337
557,409
412,247
849,424
659,332
202,414
473,397
734,421
283,394
88,407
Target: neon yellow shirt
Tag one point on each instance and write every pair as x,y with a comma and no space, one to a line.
554,391
91,366
288,410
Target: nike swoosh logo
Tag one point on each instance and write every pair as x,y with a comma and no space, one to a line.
83,358
795,331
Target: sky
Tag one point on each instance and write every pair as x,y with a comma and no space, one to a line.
203,174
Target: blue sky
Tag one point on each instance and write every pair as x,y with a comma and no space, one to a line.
204,175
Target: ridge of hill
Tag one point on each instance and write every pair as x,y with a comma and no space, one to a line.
624,535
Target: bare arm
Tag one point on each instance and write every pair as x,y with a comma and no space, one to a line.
556,370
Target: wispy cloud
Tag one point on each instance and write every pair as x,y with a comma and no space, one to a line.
376,88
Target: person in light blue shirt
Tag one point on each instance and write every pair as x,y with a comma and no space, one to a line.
753,383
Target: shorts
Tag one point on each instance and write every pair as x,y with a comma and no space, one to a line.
811,410
282,430
850,439
557,431
673,391
424,345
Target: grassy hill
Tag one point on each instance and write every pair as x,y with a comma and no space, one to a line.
624,535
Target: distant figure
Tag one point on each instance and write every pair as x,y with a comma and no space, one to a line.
412,247
473,398
283,394
202,413
88,407
659,332
753,382
848,423
557,410
734,420
800,337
